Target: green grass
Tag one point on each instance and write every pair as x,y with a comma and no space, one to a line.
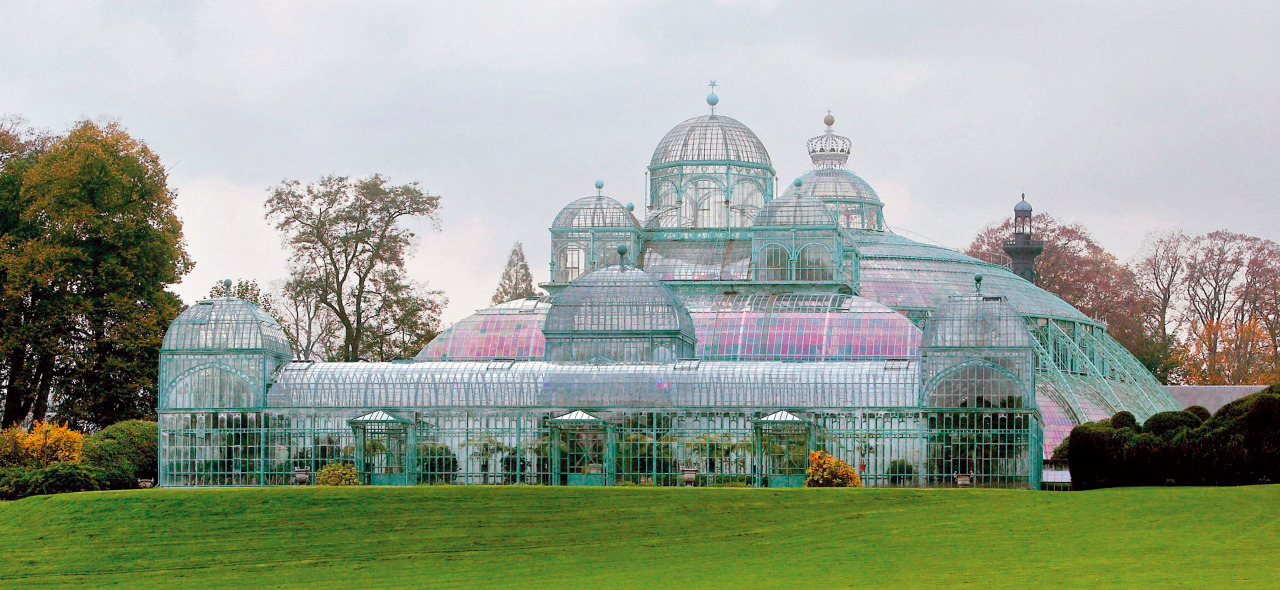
641,537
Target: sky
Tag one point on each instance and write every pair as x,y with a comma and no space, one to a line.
1128,117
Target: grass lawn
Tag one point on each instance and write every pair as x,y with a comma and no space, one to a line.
643,537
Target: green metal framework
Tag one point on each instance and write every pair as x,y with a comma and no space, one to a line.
733,334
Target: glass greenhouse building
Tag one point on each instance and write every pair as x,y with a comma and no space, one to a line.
718,338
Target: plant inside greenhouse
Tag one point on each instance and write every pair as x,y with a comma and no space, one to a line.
722,334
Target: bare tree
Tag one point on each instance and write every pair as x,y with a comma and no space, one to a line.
348,251
1159,269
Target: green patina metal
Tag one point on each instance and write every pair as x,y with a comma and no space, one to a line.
718,341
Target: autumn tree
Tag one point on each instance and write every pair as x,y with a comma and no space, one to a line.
516,281
89,242
348,245
1080,271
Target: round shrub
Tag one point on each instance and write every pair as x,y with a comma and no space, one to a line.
1167,422
54,478
126,450
826,471
1200,412
338,474
1123,419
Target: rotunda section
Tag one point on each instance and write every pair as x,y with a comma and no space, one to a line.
618,314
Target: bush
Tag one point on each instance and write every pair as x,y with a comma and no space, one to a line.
337,474
1239,445
1167,422
125,450
1200,412
44,444
54,478
1123,419
826,471
1060,452
900,472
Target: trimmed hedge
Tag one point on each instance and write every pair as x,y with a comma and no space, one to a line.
55,478
1239,445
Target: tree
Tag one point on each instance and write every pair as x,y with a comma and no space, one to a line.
348,250
247,290
89,241
1159,269
1080,271
516,281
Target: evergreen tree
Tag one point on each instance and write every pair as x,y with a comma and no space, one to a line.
516,281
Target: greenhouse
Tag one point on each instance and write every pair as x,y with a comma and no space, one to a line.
716,339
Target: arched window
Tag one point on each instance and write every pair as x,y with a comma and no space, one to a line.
814,264
664,195
772,264
704,204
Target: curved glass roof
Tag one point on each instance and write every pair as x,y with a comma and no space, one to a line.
783,327
225,324
538,384
794,211
596,211
710,138
615,299
834,184
906,274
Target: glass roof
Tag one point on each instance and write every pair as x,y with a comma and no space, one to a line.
618,298
713,138
596,211
540,384
834,184
790,327
226,324
795,211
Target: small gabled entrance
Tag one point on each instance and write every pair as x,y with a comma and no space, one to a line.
587,450
784,441
385,446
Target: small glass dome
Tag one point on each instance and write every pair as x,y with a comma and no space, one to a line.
792,210
595,212
226,323
618,314
710,138
834,183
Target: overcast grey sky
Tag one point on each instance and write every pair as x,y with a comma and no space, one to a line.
1128,117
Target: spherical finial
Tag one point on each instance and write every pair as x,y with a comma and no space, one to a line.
712,99
977,282
622,249
226,284
631,206
599,184
829,120
797,183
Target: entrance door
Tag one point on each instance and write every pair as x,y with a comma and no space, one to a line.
384,444
785,454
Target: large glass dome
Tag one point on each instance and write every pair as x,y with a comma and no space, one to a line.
834,183
710,138
225,324
618,314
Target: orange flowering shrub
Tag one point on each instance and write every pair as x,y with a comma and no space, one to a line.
11,454
337,474
826,471
49,443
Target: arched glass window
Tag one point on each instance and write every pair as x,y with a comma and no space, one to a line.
664,195
704,204
773,263
814,264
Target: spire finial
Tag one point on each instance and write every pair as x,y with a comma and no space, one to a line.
712,99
